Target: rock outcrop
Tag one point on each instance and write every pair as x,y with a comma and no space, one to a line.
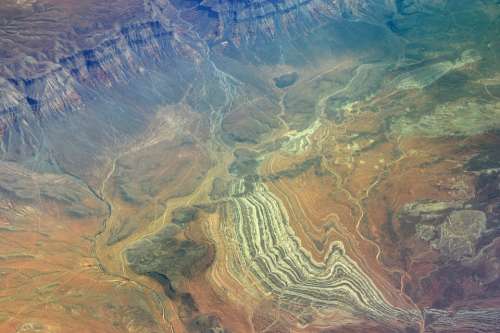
49,53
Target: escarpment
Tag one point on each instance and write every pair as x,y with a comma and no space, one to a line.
50,87
245,22
45,65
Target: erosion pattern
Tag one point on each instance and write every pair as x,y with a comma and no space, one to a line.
250,166
272,251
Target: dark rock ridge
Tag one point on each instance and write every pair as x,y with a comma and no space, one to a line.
242,21
168,259
49,52
55,88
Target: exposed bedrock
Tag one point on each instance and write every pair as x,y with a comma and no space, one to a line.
464,277
464,320
44,62
21,185
244,21
50,87
458,229
274,255
455,233
110,75
241,69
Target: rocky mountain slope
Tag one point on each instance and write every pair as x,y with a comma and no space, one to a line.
50,48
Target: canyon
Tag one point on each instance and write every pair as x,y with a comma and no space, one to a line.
250,166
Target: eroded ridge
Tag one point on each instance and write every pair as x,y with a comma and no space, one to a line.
479,320
273,253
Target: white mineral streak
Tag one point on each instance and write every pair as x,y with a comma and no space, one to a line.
299,141
422,77
273,254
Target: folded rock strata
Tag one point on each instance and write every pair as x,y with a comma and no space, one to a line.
277,260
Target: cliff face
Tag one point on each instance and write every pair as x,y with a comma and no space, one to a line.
43,79
56,56
244,21
50,48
